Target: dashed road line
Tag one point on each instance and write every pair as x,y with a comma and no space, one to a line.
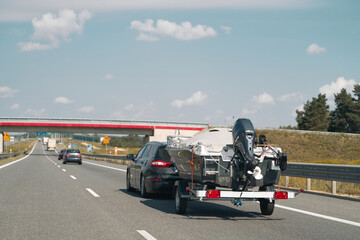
146,235
92,192
64,170
73,177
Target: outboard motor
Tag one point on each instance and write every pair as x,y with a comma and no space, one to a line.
244,137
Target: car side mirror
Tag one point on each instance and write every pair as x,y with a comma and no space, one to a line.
131,157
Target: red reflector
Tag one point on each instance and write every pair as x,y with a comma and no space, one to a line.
213,194
155,179
158,163
187,189
281,195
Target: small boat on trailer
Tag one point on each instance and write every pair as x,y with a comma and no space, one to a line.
229,158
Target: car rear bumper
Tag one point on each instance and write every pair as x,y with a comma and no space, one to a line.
160,184
73,159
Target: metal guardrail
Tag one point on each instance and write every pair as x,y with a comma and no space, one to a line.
15,154
332,172
117,157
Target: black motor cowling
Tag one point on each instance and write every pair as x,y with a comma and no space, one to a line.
244,137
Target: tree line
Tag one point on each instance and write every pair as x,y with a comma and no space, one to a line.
316,115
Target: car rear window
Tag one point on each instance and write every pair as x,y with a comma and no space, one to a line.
162,154
73,151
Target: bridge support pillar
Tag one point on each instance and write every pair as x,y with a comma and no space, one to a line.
1,142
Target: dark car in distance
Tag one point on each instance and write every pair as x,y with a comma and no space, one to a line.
72,155
151,170
61,154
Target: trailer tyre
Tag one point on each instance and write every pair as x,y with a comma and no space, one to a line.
180,203
267,207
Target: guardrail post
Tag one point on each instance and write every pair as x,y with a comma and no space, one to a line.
308,184
333,187
287,178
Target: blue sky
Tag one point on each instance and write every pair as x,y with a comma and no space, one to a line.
188,61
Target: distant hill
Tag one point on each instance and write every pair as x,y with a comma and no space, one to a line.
315,147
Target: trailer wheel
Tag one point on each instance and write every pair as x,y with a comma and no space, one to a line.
267,207
180,203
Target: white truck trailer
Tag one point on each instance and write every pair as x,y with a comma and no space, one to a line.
51,145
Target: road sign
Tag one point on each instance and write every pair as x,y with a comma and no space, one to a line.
106,140
6,137
40,133
69,145
89,147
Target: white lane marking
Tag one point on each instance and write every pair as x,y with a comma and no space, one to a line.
59,166
64,170
146,235
92,192
320,215
118,169
10,163
73,177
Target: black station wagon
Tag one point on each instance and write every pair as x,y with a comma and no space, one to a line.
151,170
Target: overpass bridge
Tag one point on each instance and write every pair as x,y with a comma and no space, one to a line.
152,130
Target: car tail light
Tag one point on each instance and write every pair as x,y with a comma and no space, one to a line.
281,195
213,194
78,155
159,163
68,155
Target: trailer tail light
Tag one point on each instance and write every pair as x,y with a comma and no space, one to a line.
281,195
213,194
159,163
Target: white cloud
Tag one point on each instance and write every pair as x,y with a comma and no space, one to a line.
246,112
226,29
136,112
299,108
335,87
54,29
256,103
147,38
19,10
197,99
63,100
86,109
291,97
6,92
129,107
108,77
263,98
15,106
183,31
34,46
34,112
314,49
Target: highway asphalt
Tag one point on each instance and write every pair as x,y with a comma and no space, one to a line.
40,198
